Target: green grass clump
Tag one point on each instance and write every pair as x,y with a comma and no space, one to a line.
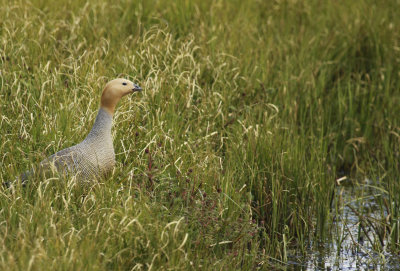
227,160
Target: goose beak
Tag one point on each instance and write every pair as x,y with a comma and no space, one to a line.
136,88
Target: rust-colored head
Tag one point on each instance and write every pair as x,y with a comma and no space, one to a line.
114,91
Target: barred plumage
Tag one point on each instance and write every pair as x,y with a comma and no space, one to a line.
94,157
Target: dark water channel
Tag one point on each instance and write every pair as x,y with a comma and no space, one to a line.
358,233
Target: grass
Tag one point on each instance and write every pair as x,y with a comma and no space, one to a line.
228,159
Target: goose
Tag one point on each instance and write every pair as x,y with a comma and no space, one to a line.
94,157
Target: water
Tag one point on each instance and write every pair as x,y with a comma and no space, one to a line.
358,232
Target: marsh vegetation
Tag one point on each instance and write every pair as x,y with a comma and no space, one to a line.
255,117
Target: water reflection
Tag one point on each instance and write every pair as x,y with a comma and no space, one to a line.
359,232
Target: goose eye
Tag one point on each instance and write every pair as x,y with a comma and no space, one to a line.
124,83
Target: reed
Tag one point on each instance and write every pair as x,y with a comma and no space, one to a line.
251,111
